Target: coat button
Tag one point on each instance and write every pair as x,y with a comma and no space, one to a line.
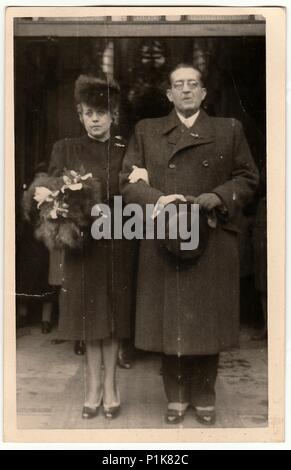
205,163
172,166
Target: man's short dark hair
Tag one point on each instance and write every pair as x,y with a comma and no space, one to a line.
185,65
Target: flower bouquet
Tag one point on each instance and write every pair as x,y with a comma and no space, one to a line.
64,208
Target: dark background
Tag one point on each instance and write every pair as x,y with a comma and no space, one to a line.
47,67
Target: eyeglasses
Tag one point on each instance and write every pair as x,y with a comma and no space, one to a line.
192,84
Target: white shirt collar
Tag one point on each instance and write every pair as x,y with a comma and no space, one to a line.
188,122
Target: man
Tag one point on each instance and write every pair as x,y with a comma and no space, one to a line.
189,315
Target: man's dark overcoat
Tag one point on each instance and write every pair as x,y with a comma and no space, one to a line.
193,310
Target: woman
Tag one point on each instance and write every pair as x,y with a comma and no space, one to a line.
95,299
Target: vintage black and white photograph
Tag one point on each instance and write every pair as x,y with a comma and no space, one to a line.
140,199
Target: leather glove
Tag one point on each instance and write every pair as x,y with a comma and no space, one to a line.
208,201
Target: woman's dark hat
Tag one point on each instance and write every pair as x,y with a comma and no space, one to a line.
173,246
96,92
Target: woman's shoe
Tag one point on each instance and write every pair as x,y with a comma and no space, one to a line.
89,412
79,348
46,327
112,411
205,415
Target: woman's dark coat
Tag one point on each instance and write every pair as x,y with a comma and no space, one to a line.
96,293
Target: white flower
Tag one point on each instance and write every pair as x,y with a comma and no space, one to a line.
67,180
85,177
74,183
54,211
75,186
57,210
43,194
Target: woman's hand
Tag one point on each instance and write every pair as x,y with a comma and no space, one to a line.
138,174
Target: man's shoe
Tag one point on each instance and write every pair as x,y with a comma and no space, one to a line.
175,413
205,415
46,327
174,416
79,348
58,341
122,362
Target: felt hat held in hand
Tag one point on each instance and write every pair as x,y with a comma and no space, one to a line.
176,247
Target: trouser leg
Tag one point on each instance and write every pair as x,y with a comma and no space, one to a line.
190,379
176,384
202,373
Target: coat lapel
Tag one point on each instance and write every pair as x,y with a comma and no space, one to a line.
200,133
172,128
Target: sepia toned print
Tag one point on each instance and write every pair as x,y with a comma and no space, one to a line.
118,120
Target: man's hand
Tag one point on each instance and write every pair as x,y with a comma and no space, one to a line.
138,174
164,200
208,201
